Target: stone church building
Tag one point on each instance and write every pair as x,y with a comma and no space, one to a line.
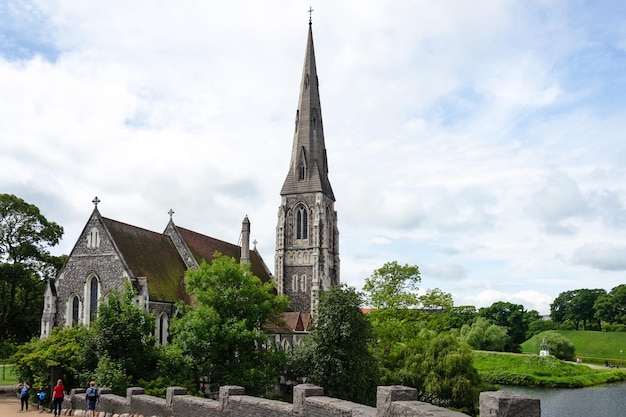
109,253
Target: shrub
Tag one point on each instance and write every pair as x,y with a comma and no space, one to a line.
558,345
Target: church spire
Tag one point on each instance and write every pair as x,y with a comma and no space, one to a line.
307,238
308,170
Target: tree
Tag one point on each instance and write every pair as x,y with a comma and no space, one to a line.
576,306
611,307
337,354
123,334
510,316
62,348
436,300
393,286
483,335
25,235
222,333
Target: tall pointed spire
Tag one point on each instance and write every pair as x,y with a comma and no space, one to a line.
308,170
307,238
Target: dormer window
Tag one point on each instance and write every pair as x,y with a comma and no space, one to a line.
301,171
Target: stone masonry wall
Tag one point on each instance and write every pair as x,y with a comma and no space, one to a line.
308,401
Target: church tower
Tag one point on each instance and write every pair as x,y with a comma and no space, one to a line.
307,238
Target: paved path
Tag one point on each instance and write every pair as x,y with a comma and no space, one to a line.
10,407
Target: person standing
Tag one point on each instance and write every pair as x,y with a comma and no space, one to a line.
24,390
58,393
41,397
92,396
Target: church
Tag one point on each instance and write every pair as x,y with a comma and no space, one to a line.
109,253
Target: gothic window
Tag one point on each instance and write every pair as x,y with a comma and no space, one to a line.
297,119
302,224
92,295
301,171
303,283
93,238
162,329
294,283
306,81
75,310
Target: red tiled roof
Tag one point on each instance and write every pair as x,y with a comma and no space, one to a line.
204,247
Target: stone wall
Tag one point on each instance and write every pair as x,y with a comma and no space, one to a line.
308,401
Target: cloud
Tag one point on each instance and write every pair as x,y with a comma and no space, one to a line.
601,255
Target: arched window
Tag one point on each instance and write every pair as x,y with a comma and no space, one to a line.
93,298
303,283
302,224
294,283
75,310
163,329
301,171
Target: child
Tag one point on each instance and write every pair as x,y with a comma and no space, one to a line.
92,395
41,395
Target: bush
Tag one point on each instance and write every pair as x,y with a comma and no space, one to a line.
558,345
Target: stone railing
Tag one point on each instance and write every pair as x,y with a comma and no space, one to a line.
308,401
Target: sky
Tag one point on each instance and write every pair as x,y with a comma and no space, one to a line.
483,141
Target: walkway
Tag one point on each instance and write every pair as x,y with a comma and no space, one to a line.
10,405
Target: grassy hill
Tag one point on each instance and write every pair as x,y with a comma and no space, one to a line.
540,371
591,347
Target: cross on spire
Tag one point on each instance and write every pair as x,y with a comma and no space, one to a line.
95,201
171,213
310,14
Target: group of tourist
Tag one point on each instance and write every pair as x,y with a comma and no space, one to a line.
58,394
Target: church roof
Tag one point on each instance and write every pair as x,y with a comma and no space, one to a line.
151,255
308,155
204,247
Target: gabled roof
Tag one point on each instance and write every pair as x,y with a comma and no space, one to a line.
151,255
204,247
292,321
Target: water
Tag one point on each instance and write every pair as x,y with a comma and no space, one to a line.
600,401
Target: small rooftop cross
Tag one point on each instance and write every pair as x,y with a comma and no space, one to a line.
310,14
171,213
254,242
95,201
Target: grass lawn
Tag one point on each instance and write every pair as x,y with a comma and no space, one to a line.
591,347
537,371
7,377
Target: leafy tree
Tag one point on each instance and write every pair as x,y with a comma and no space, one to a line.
337,354
62,348
577,306
537,326
393,286
510,316
558,345
222,333
25,235
611,307
435,299
483,335
461,315
123,333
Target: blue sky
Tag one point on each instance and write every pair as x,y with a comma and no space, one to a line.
482,141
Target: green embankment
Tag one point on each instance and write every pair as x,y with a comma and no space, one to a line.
537,371
592,347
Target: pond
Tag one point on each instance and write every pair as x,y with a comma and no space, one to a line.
602,401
